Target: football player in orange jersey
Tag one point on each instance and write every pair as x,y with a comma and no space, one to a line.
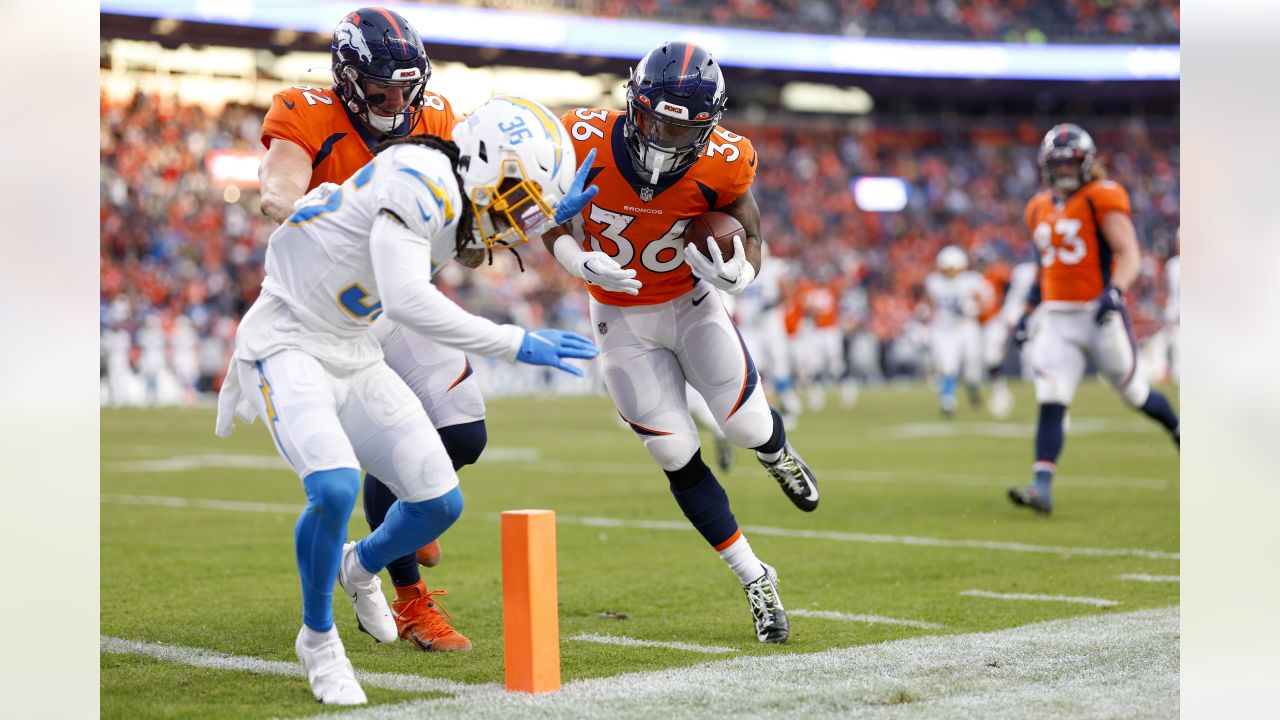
995,330
317,136
659,320
1089,257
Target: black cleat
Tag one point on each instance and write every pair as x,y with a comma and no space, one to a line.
1029,497
794,477
766,608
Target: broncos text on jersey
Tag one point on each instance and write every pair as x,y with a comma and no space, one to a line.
337,141
642,225
1075,259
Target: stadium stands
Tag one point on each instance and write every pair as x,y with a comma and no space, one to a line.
175,245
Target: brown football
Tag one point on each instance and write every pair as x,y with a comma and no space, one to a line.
721,226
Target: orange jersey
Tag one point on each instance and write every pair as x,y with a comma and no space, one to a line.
997,276
315,120
641,225
1075,260
823,303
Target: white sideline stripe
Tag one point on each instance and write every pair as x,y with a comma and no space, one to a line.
635,642
683,526
878,538
1139,577
1017,430
1087,668
198,657
873,619
202,503
528,459
1096,602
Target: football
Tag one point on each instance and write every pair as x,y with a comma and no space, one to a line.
721,226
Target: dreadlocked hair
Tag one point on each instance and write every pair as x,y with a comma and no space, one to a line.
466,223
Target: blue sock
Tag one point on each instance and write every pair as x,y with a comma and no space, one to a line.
407,527
378,499
1157,408
318,537
703,501
947,392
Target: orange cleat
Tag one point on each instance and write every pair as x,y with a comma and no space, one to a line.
421,620
429,554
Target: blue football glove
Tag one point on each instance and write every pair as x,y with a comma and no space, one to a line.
1108,302
1020,334
551,347
577,198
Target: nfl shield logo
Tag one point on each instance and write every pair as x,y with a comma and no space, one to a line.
602,328
646,194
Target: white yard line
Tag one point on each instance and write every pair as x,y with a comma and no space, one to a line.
198,657
1096,602
683,526
634,642
872,619
203,503
1139,577
1121,665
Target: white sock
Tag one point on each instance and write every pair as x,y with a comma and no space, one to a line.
314,639
355,569
772,457
742,561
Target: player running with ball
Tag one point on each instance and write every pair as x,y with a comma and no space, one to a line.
658,317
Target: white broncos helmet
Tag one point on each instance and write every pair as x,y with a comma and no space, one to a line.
516,162
952,259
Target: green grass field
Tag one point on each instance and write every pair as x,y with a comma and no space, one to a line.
221,577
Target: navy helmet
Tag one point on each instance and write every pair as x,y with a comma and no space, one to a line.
379,45
674,100
1066,157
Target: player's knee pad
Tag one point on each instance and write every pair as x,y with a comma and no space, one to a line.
752,424
673,451
690,474
332,493
1135,391
464,442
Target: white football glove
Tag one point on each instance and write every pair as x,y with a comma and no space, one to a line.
732,276
317,194
595,267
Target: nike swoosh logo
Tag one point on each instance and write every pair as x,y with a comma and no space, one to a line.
704,297
287,103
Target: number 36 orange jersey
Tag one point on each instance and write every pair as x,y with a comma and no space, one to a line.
640,225
338,142
1075,259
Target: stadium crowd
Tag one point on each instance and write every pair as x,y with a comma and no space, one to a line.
1128,21
181,258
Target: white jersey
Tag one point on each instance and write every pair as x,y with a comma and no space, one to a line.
955,299
1021,278
320,294
1173,280
761,296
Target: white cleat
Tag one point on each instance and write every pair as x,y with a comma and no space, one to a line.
373,614
332,679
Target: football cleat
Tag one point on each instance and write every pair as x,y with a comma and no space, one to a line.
724,454
794,477
766,608
429,554
372,613
332,679
1030,497
420,621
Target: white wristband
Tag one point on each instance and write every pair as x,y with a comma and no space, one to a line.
569,254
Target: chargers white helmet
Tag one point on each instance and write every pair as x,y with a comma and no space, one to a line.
516,162
952,259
